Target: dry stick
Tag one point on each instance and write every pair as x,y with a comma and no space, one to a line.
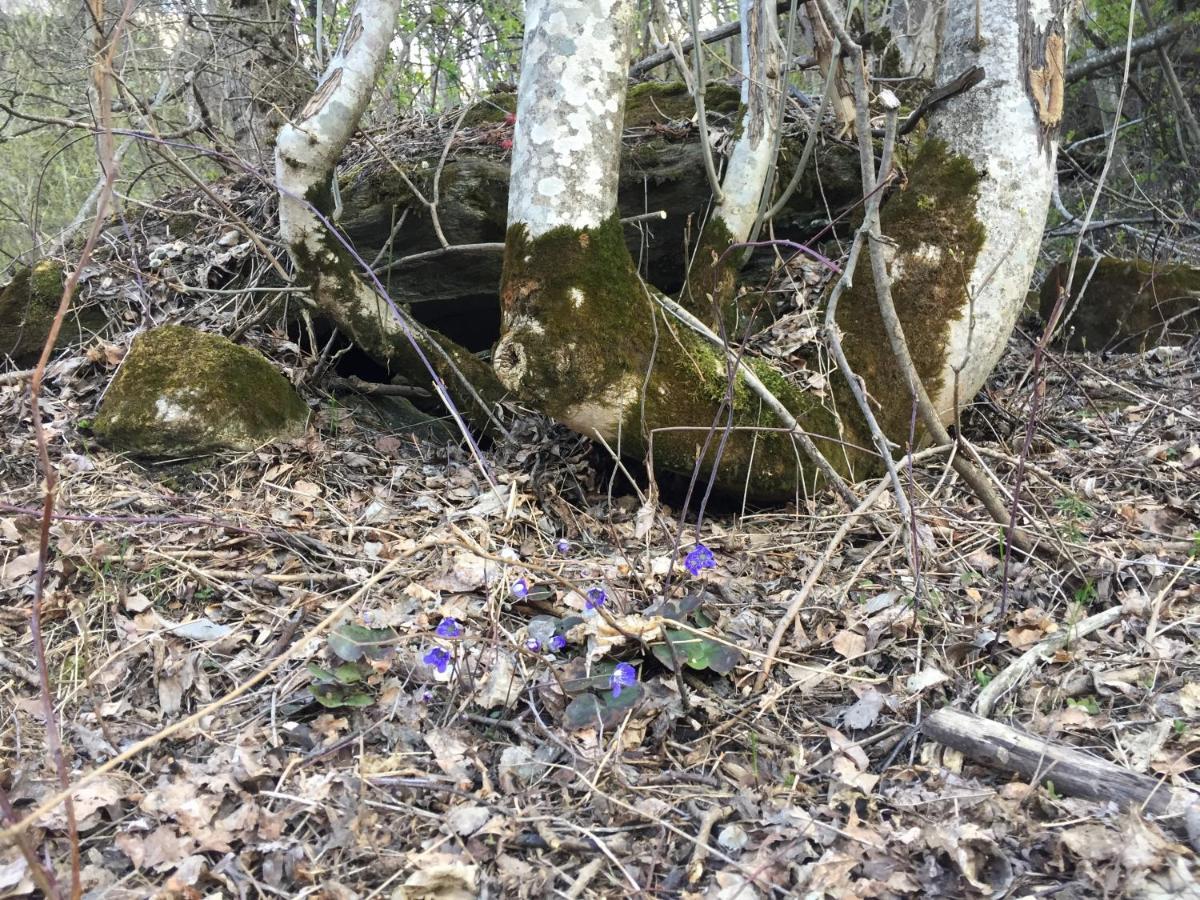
806,589
773,403
814,574
584,878
11,832
101,73
1025,663
59,367
720,33
1075,773
882,444
1113,55
700,853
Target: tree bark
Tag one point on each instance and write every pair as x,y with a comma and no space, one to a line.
305,155
963,235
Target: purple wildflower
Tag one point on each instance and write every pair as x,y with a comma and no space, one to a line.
558,642
520,589
700,558
623,676
533,645
438,658
449,628
563,545
596,598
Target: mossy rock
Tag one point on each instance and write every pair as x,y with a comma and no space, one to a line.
27,308
182,392
660,102
1128,304
648,103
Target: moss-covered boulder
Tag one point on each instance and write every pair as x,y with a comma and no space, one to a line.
1128,304
182,392
27,307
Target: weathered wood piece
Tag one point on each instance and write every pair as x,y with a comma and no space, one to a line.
1025,663
1073,772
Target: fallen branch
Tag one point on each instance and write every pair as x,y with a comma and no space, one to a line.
1006,680
1071,771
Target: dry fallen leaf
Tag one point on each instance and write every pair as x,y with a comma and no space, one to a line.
849,644
92,797
440,881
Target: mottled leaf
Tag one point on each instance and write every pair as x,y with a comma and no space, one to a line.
352,642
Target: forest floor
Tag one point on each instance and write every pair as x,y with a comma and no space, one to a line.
242,656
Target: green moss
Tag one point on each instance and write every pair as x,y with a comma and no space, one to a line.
491,110
27,308
182,392
660,102
596,336
937,237
1127,303
580,286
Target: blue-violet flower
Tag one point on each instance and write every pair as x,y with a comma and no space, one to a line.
558,642
596,598
563,545
623,676
520,589
533,645
449,628
438,658
700,558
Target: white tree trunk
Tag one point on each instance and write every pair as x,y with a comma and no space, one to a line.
753,153
570,111
1007,127
307,150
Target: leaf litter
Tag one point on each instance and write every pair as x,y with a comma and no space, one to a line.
517,768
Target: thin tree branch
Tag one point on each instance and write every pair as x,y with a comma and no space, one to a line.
1159,37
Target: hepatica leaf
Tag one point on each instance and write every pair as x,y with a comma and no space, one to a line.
697,652
605,710
335,695
352,642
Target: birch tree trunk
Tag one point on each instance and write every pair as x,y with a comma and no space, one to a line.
583,338
965,232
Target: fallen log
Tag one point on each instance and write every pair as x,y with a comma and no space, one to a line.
1072,771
